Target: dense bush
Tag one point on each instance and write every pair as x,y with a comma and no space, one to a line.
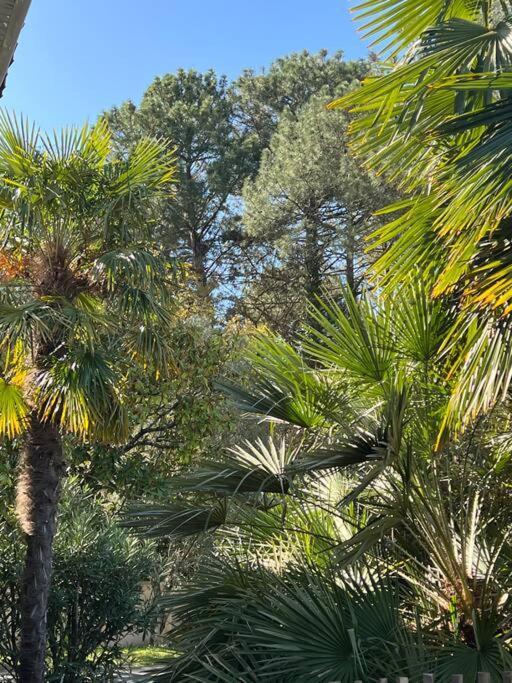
96,595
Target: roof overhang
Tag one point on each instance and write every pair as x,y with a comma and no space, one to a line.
12,18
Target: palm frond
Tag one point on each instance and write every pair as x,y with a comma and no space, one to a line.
136,267
358,341
177,521
89,144
18,146
22,322
313,627
257,467
483,369
142,306
14,410
362,447
397,23
420,322
79,391
151,163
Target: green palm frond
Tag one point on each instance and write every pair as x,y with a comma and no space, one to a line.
438,121
141,305
269,400
358,341
150,164
399,110
487,81
84,318
89,144
362,447
53,318
421,323
136,267
283,387
178,520
312,627
493,658
442,51
73,178
21,323
231,666
397,23
410,243
257,467
483,368
18,146
147,345
147,318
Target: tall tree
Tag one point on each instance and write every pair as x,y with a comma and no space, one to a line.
82,299
220,131
306,214
195,111
288,85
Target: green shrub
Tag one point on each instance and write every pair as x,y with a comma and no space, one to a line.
96,595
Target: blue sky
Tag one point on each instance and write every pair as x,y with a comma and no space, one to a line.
78,57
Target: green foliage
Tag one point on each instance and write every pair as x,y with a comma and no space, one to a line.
367,499
309,206
288,85
173,422
96,596
295,627
221,131
437,122
195,111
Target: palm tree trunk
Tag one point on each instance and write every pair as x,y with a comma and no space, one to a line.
38,495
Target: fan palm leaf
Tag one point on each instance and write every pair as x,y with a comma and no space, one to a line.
177,520
252,467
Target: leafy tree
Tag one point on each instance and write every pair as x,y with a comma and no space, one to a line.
82,300
195,111
308,211
173,423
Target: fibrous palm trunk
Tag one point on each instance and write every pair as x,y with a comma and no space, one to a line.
38,495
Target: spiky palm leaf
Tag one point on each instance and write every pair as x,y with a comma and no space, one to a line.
257,467
177,520
438,121
313,577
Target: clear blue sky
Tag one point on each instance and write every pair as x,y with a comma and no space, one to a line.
76,58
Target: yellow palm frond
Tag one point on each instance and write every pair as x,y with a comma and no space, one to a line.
13,409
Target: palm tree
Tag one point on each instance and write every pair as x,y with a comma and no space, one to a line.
84,296
435,118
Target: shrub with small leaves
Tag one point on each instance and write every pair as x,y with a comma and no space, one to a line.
96,591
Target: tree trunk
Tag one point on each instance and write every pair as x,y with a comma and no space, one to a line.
313,261
37,500
313,267
350,270
196,243
197,247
